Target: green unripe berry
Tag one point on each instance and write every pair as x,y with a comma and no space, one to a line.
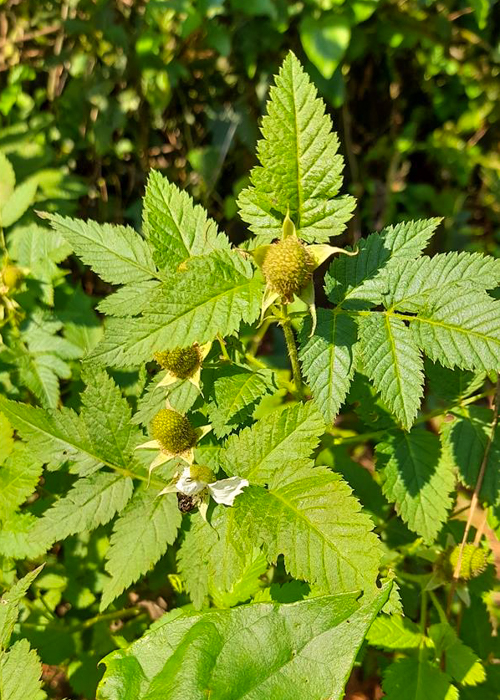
287,267
474,561
200,473
182,362
173,431
11,276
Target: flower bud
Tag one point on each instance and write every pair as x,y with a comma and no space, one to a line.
181,362
474,561
173,431
287,267
200,473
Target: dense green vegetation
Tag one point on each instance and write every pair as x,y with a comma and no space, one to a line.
362,434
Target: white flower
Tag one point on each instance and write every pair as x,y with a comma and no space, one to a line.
223,491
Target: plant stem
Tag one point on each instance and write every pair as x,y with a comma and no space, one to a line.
292,351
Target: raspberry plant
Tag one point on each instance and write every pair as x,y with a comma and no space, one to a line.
328,552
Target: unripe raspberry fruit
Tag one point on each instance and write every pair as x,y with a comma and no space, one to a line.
474,561
173,431
11,276
287,267
182,362
200,473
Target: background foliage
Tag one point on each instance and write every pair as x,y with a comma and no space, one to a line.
97,92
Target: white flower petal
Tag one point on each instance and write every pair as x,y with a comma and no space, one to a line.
187,485
226,490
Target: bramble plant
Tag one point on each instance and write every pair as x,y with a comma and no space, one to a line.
231,480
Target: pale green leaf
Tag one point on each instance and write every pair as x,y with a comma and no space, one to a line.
19,475
417,679
213,295
8,179
300,168
325,40
460,329
392,360
252,652
257,453
15,536
20,673
177,228
117,254
9,605
6,438
145,528
418,478
18,203
327,359
394,632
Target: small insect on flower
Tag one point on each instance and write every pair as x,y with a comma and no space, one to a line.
198,483
182,363
174,436
288,266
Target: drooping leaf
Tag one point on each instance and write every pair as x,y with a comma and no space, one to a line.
328,360
145,528
392,360
418,478
267,650
300,168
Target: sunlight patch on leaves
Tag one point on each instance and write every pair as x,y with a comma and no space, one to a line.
415,679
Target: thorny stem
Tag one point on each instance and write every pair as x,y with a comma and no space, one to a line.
475,495
292,351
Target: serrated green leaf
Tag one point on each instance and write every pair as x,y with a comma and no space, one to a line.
15,536
328,360
392,360
92,501
411,282
267,650
18,203
9,606
394,632
20,673
177,228
300,168
416,679
359,282
235,395
145,528
452,385
461,663
460,330
214,555
213,295
418,478
466,438
260,451
6,438
19,475
117,254
129,300
310,516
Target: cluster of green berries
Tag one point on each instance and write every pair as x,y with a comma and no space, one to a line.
181,362
474,561
173,431
288,267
